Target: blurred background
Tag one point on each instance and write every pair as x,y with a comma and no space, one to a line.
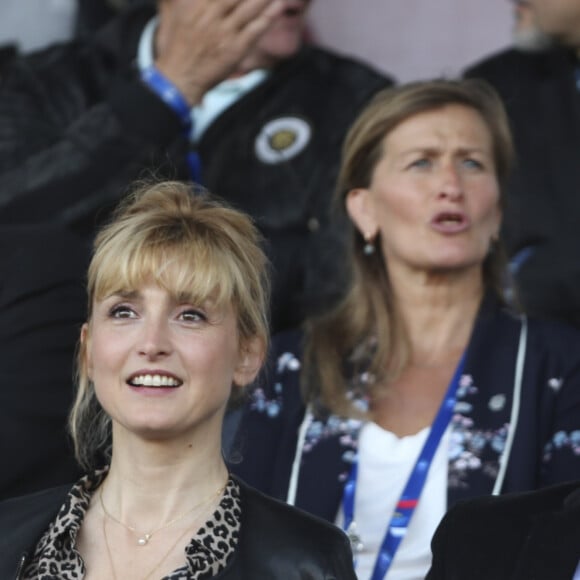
411,39
414,39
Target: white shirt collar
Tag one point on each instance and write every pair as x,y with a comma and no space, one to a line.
216,100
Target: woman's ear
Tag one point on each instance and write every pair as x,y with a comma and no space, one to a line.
85,351
251,357
360,208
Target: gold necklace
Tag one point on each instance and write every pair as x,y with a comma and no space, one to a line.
143,539
109,549
156,565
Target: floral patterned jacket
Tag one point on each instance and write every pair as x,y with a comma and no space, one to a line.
544,448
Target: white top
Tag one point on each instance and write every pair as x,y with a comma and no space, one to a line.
216,100
385,463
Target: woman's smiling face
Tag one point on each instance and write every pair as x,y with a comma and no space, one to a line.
163,367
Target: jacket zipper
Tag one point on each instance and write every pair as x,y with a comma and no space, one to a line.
20,568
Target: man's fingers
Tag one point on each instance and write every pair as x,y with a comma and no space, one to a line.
201,43
248,13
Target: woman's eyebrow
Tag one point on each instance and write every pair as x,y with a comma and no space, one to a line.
125,294
429,150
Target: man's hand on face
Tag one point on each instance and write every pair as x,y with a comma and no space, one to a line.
201,42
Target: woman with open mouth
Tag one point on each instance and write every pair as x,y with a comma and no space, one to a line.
425,385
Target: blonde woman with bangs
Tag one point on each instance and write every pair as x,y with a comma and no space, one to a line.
178,296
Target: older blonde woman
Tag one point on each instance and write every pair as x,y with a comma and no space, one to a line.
421,387
177,321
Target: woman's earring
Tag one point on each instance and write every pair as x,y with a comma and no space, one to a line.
369,247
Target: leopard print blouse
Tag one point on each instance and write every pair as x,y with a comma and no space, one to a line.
207,554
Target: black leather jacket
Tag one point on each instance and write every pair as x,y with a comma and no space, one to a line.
276,541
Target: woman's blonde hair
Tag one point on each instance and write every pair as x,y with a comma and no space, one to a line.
193,245
364,330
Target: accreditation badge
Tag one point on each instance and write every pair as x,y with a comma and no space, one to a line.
282,139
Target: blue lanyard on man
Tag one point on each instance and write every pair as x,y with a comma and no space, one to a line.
173,98
409,499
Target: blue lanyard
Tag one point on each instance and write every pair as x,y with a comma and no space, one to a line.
194,166
409,499
173,98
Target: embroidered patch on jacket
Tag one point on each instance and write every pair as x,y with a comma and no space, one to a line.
282,139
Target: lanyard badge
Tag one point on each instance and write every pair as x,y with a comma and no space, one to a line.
409,499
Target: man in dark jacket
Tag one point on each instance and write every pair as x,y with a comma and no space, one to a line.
81,121
516,536
541,93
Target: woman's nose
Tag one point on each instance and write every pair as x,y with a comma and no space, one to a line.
154,341
451,184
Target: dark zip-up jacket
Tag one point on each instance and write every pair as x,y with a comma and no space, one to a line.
540,226
77,126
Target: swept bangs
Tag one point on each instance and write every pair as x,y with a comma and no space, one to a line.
194,246
192,272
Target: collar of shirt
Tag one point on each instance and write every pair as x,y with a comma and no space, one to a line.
58,545
216,100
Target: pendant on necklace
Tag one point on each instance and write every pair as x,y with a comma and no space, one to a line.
144,540
354,537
